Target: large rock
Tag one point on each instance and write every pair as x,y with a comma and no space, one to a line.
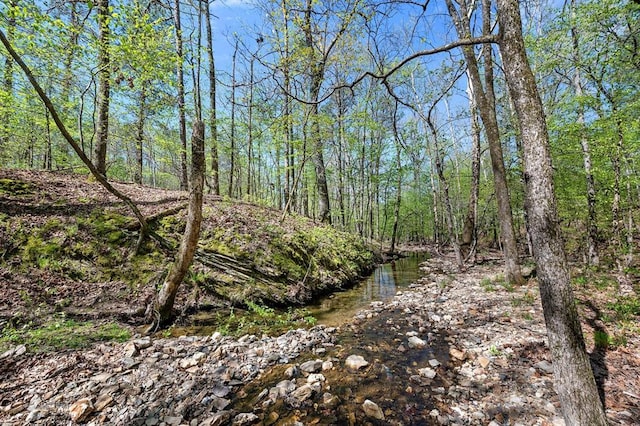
371,409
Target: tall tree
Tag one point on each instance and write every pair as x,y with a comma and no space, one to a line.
213,120
485,100
104,77
182,122
574,379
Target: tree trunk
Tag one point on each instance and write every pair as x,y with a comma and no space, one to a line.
163,305
104,75
232,153
182,122
574,379
469,232
485,100
213,125
142,114
396,209
8,82
592,224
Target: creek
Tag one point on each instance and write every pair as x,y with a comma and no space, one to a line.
340,307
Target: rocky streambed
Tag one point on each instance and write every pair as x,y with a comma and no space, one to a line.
453,349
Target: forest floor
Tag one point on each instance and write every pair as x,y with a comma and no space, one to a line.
455,348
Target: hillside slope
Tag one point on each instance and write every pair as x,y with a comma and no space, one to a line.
67,245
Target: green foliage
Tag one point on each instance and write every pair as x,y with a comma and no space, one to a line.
61,333
626,308
259,319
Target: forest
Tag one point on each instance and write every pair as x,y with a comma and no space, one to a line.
271,150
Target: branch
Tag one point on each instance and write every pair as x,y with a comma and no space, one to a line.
484,39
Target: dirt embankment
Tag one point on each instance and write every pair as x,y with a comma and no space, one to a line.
67,248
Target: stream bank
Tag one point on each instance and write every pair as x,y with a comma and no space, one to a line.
454,349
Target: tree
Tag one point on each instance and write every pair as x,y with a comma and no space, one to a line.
485,101
163,304
573,376
182,123
104,76
213,120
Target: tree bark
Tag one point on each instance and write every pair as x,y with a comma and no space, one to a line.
469,231
104,75
232,151
8,82
213,122
163,305
574,380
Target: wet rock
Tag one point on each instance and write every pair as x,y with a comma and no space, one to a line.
311,366
371,409
301,394
429,373
416,342
243,419
355,362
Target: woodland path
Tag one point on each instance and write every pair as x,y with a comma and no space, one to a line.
453,349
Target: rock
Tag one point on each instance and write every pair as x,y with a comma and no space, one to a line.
173,420
327,365
330,400
143,343
218,419
457,354
434,363
245,419
371,409
315,378
484,361
81,409
311,366
301,394
416,342
427,372
355,362
292,372
103,401
131,350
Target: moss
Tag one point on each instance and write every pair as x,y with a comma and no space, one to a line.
15,187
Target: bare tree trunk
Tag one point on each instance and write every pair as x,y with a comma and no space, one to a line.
182,122
574,379
8,81
232,153
142,114
163,304
469,232
485,100
213,125
445,194
592,224
396,209
104,75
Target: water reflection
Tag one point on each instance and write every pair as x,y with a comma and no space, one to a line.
382,285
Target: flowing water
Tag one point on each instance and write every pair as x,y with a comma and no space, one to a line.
381,285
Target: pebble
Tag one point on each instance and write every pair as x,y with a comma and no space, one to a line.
355,362
371,409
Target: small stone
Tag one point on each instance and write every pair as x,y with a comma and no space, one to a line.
311,366
152,421
484,361
327,365
457,354
130,350
292,372
371,409
416,342
20,350
172,420
218,419
330,400
315,378
103,401
303,393
81,409
355,362
245,419
429,373
434,362
143,343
